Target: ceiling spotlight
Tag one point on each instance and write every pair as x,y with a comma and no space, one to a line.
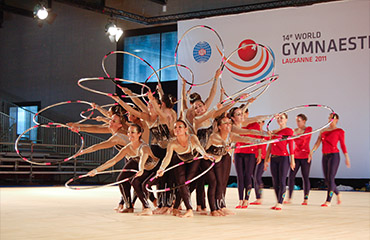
113,31
111,28
40,12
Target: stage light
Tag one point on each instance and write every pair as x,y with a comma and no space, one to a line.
113,31
40,12
111,28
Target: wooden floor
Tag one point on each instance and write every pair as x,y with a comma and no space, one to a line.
60,213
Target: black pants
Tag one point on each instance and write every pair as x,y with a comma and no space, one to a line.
125,187
182,174
217,179
138,183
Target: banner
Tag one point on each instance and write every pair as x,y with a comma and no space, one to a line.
322,56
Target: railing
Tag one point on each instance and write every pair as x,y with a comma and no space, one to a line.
7,128
58,140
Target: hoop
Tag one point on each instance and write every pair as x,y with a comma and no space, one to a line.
56,125
58,104
115,80
99,186
261,78
133,55
300,107
284,138
177,48
181,185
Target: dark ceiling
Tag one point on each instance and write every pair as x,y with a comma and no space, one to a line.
154,12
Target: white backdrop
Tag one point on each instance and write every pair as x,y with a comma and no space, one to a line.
332,38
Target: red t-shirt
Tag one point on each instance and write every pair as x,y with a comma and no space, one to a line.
330,141
263,150
279,148
302,145
253,149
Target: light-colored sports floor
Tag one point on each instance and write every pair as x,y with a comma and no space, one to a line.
61,213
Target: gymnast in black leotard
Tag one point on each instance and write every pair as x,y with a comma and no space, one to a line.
160,117
186,147
188,114
118,128
139,157
203,122
219,146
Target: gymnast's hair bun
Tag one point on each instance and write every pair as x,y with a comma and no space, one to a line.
194,97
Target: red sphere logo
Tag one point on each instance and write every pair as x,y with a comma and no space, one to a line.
248,52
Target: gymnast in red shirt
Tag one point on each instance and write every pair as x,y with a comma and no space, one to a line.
301,153
280,160
244,159
330,159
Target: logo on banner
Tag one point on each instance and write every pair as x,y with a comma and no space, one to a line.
202,52
251,63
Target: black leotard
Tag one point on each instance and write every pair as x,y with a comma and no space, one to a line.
203,135
150,162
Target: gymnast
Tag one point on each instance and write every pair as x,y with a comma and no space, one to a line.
329,137
203,126
279,156
301,153
139,157
118,128
245,158
161,132
161,121
219,146
186,147
188,113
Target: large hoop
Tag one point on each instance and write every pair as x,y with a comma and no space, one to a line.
99,186
115,80
284,138
58,104
177,48
55,125
133,55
